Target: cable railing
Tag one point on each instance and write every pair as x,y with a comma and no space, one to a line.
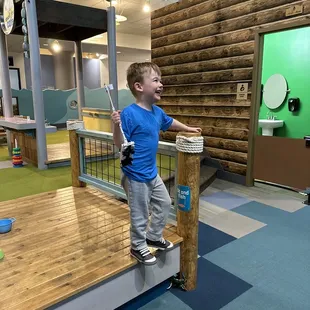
100,164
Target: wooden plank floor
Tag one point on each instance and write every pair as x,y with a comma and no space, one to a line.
60,152
63,242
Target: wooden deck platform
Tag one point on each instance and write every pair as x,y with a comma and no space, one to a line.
59,154
62,243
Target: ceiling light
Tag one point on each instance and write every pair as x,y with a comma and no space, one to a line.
45,44
114,2
56,47
103,56
147,7
97,54
120,18
118,52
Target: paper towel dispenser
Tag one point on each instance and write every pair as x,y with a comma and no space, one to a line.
293,104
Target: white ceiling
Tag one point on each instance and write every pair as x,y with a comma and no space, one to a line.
138,22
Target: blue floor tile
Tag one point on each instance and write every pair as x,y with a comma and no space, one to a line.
274,259
167,301
225,200
210,239
215,288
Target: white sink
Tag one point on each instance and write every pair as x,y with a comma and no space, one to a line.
268,125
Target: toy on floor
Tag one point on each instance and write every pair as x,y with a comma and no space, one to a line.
1,254
17,157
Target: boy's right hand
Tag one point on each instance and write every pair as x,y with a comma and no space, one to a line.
116,117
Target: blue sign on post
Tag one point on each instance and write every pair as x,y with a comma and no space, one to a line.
184,198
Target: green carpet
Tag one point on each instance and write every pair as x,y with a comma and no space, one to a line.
60,136
4,153
20,182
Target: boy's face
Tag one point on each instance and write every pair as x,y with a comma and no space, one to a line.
151,88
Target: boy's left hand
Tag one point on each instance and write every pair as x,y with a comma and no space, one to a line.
194,129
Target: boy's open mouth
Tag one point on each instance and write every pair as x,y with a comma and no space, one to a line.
159,91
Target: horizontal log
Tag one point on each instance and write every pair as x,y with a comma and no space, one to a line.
239,49
218,112
174,7
219,143
224,123
226,133
234,37
243,22
220,122
192,11
204,101
218,76
233,167
202,19
204,89
227,144
232,156
245,61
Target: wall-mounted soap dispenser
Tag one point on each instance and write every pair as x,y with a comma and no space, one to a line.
293,104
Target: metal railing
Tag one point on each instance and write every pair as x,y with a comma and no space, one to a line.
100,165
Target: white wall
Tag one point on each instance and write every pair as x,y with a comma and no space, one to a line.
122,67
19,63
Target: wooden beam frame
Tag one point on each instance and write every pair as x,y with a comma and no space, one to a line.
256,86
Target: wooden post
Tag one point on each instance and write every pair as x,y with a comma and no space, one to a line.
72,126
188,210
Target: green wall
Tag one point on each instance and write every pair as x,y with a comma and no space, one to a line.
288,53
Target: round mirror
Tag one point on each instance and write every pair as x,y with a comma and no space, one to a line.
275,91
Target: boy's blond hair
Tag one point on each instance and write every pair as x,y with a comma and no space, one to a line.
137,71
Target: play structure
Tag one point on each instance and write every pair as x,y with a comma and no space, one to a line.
79,254
53,20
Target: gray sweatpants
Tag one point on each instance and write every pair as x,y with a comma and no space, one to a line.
141,197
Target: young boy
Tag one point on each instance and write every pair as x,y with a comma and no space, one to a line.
141,123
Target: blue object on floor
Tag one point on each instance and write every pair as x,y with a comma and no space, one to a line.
215,288
225,200
6,225
210,239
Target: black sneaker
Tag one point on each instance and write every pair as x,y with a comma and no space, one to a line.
162,244
144,256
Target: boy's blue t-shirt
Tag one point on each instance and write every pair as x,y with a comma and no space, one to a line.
143,127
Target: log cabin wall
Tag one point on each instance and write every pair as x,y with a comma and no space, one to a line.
204,48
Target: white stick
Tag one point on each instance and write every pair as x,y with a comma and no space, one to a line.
15,143
107,88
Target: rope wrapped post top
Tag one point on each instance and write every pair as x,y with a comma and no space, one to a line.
189,144
190,147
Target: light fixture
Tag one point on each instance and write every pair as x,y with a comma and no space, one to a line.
147,7
114,2
103,56
97,55
118,52
120,18
56,46
147,59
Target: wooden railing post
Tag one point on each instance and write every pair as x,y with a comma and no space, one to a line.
189,145
72,126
